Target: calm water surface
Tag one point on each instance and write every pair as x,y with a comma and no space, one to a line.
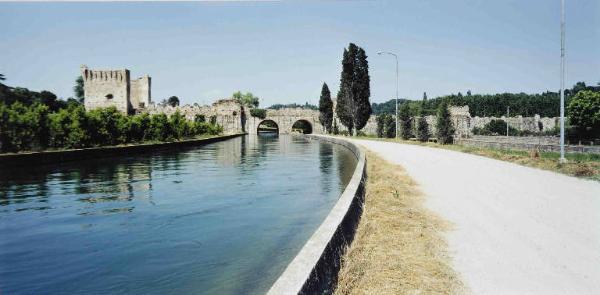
218,219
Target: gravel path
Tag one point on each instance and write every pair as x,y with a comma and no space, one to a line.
517,230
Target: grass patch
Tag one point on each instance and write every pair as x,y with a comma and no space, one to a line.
578,164
399,247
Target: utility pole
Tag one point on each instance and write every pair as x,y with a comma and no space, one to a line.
395,56
562,82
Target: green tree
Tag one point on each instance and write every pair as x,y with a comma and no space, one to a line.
107,126
390,126
353,106
173,101
325,108
161,128
247,99
422,126
445,130
584,113
381,125
405,121
23,127
78,89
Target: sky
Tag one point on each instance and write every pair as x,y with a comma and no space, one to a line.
283,51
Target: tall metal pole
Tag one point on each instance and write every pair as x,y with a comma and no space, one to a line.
397,81
562,82
396,95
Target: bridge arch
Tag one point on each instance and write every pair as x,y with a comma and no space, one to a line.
268,126
302,126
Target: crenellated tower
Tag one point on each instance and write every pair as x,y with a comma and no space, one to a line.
105,88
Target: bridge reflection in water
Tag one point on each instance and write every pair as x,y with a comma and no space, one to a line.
222,218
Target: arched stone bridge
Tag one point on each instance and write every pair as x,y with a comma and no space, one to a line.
285,119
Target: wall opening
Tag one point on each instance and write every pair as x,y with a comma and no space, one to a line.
302,126
267,127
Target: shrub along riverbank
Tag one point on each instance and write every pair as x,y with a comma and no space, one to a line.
34,128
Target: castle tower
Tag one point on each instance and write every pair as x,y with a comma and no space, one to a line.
106,88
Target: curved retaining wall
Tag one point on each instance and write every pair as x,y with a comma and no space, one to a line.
315,269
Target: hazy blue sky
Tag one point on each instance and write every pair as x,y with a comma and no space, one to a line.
283,52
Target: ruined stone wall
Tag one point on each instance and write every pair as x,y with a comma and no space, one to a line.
106,88
532,124
464,123
228,113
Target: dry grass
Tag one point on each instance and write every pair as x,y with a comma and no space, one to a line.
399,248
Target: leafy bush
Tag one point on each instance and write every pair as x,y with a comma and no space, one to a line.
31,127
584,113
498,127
258,113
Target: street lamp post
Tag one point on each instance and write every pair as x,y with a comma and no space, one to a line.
562,82
395,56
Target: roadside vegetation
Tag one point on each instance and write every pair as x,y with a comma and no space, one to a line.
399,246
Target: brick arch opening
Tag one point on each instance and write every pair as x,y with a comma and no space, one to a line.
302,126
267,126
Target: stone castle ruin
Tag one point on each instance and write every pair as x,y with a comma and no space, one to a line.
106,88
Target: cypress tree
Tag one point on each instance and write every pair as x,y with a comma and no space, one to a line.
380,125
445,130
422,127
326,108
404,118
353,105
390,126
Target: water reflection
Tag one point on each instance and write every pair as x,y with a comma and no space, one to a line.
222,218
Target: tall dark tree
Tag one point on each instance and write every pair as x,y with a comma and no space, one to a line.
353,106
422,126
424,96
445,130
405,121
2,78
78,89
173,101
325,108
469,92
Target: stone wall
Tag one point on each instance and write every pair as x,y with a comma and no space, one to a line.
543,144
228,113
315,269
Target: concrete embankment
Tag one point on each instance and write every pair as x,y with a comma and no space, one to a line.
315,269
52,157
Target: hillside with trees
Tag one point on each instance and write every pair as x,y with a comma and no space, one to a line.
546,104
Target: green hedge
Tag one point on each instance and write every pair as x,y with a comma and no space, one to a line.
33,127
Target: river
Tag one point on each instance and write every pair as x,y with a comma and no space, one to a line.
223,218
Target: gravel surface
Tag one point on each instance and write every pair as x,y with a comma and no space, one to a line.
517,230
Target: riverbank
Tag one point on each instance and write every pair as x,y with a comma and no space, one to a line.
578,165
399,246
59,156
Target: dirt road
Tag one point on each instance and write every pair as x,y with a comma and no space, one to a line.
517,230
